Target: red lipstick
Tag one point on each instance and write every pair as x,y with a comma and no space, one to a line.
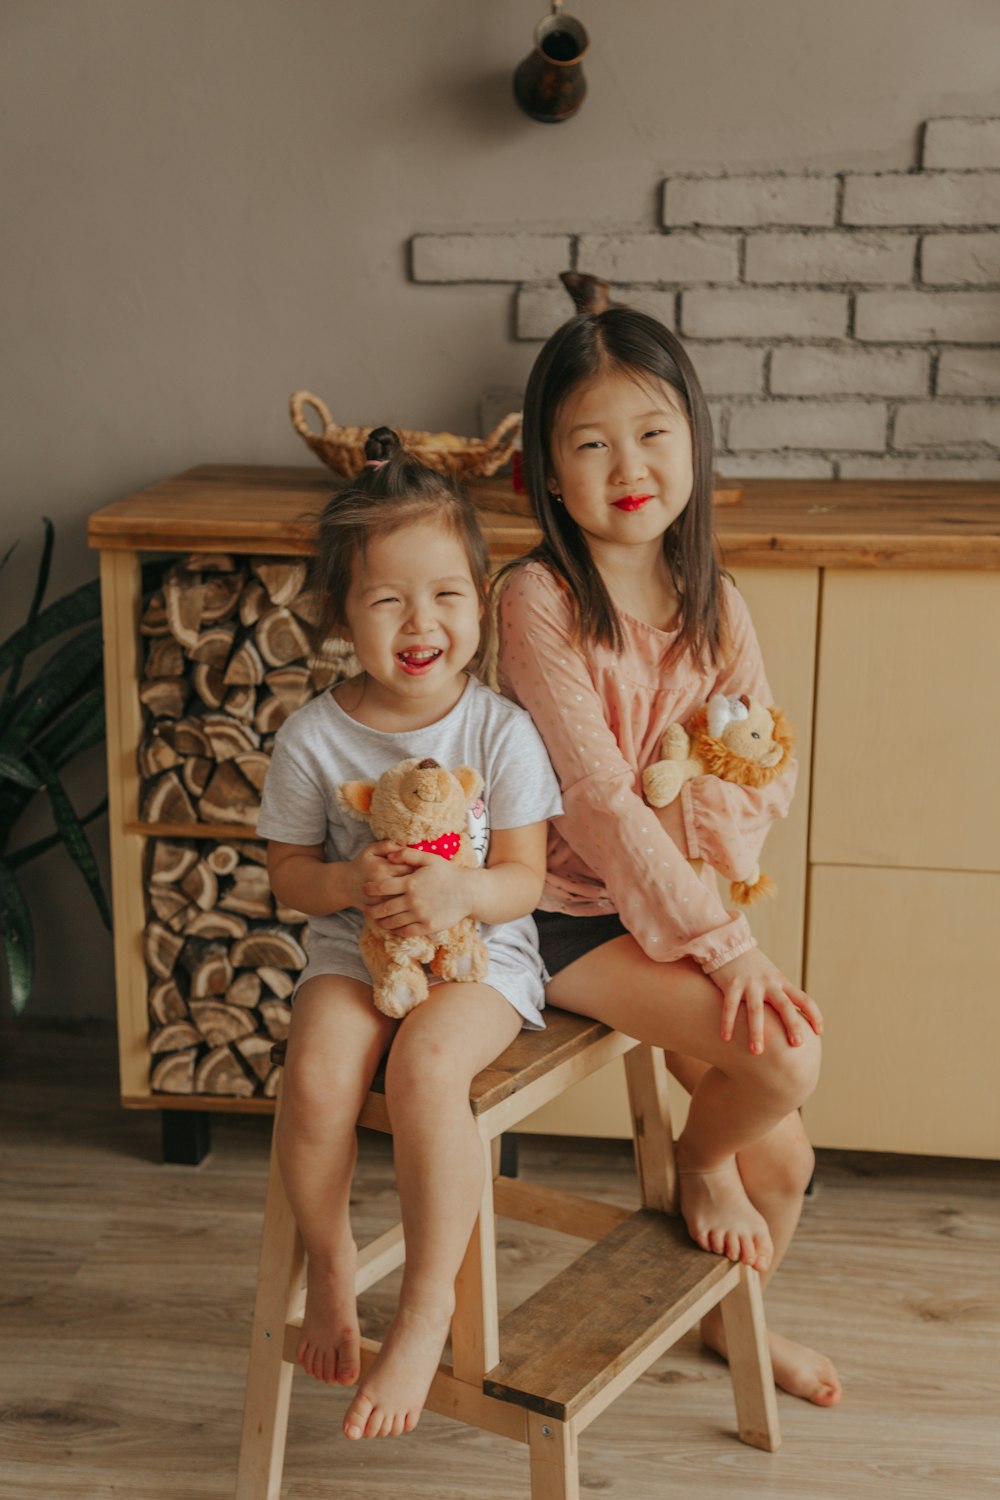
631,502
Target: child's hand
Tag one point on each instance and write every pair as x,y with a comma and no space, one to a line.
424,894
370,866
752,979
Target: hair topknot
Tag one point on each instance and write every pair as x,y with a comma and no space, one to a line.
382,443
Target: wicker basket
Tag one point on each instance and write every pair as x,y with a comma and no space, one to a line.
343,448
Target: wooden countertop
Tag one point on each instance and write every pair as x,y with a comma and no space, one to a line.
778,522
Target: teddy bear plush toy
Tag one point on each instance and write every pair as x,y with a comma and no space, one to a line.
420,804
735,738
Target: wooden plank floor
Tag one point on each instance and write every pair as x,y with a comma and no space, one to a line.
126,1290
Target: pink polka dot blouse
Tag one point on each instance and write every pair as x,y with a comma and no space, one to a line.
602,717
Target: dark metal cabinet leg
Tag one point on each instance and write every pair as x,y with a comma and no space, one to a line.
508,1154
187,1136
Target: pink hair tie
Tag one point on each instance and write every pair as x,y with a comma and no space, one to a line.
375,463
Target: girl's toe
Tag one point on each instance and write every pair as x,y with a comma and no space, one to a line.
357,1416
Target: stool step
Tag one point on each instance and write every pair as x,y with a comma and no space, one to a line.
606,1318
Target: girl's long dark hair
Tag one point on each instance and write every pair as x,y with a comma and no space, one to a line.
393,490
622,340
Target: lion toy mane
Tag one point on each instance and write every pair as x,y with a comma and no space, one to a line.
735,738
420,804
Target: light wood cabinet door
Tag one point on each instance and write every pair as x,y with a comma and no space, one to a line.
908,721
905,968
783,604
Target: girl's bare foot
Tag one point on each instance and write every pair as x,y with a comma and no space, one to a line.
718,1213
392,1394
330,1345
799,1370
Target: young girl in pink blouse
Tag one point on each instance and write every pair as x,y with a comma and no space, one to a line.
617,625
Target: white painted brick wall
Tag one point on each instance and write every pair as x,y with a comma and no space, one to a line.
891,467
763,314
833,256
922,317
948,424
728,369
969,372
930,198
962,142
488,257
822,371
849,425
543,309
720,422
773,466
845,327
951,259
540,310
662,257
647,299
748,202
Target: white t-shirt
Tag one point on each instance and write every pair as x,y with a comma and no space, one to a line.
320,746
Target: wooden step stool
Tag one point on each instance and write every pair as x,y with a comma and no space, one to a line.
545,1372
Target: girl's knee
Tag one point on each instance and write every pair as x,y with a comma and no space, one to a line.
312,1100
781,1165
789,1074
421,1072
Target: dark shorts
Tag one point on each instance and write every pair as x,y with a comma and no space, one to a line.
563,939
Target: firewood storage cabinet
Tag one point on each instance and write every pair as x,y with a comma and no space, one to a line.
876,604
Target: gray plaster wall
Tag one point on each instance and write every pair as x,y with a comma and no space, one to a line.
207,203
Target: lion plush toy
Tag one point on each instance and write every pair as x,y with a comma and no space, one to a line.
420,804
735,738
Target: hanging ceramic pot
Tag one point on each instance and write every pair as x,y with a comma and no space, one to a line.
549,84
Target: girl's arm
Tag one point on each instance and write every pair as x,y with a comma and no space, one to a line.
302,878
725,824
430,893
669,911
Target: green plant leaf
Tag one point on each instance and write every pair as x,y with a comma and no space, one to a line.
12,769
79,728
69,671
42,846
41,583
71,833
76,608
17,937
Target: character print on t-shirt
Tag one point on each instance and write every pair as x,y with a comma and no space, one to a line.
479,830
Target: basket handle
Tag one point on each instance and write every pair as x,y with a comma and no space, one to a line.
504,427
300,421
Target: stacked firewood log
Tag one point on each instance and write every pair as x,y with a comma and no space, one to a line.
228,657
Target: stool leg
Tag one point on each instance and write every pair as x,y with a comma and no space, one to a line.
750,1363
646,1075
555,1471
269,1378
475,1328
